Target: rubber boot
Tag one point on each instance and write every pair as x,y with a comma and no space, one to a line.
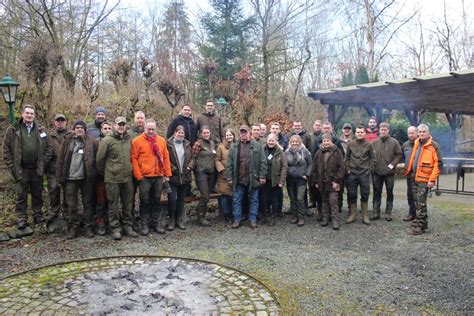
388,211
352,213
376,210
271,219
365,213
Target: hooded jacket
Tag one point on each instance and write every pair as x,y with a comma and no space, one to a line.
12,149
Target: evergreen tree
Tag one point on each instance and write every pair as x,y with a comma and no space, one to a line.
362,76
228,36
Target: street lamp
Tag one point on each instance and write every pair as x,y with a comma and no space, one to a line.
9,87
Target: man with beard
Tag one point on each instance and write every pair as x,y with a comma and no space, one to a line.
212,120
93,129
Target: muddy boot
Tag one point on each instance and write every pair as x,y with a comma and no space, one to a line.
144,229
300,222
202,218
89,233
128,230
388,211
319,215
160,227
376,211
116,234
180,224
171,224
72,232
352,213
271,219
335,224
365,213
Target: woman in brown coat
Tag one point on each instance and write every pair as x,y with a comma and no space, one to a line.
223,186
328,171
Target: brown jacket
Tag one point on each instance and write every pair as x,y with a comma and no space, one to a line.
332,170
179,177
213,121
223,186
386,151
12,149
279,165
65,153
56,139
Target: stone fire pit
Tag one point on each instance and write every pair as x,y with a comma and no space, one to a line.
136,286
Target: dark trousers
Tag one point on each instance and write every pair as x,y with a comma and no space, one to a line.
124,193
315,196
344,185
54,193
150,196
378,182
86,187
30,183
269,196
411,197
355,181
176,202
205,182
101,198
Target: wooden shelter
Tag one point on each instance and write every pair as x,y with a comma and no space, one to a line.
451,93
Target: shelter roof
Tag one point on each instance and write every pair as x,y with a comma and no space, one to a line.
446,93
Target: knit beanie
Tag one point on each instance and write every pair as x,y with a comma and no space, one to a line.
326,136
79,122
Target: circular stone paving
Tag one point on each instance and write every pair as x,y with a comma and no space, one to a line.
137,286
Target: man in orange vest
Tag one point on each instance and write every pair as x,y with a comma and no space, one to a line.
424,166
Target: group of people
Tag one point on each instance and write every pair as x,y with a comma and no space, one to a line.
107,164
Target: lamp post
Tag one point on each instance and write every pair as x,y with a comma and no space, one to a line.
9,87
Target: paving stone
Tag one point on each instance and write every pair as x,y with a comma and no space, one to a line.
233,293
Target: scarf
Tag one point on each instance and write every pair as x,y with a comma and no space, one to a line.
156,150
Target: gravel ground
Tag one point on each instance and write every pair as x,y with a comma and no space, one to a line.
357,270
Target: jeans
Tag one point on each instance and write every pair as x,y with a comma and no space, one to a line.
239,193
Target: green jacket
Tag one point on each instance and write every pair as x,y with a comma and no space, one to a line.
113,159
257,164
12,149
279,166
56,139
